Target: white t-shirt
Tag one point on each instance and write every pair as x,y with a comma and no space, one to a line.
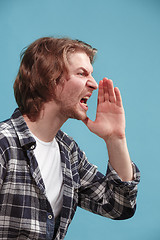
49,161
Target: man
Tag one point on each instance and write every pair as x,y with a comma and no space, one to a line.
44,175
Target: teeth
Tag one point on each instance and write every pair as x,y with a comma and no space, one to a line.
86,97
84,103
84,100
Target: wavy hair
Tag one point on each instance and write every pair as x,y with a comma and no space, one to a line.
42,65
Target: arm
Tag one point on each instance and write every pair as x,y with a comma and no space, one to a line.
110,126
106,195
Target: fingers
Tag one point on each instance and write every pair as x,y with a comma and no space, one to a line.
118,97
107,92
101,92
89,123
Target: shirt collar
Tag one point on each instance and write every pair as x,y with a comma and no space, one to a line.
25,137
23,133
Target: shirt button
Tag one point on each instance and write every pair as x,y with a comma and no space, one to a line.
49,217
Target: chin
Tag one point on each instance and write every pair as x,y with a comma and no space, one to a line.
75,113
83,117
79,116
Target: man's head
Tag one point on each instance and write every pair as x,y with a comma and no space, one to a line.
71,97
43,64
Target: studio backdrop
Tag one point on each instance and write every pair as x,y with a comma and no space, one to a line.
127,36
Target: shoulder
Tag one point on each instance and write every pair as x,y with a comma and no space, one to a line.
7,136
9,132
6,129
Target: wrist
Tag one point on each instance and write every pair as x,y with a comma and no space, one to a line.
115,139
119,157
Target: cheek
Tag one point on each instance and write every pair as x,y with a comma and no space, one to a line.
78,86
72,90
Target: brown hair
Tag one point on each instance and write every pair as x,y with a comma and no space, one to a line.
42,65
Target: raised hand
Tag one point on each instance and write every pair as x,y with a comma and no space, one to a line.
110,118
110,125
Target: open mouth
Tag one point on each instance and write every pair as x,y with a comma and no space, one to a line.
83,102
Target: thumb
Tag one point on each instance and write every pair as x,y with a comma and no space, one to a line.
88,122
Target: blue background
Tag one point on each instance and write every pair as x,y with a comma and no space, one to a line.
127,36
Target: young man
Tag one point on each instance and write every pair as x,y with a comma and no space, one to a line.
44,175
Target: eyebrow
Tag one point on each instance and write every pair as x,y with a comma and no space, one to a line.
85,70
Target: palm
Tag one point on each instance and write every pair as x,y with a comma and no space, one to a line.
110,119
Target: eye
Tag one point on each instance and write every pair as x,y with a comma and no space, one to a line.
81,73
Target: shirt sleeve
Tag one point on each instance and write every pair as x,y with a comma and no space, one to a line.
107,195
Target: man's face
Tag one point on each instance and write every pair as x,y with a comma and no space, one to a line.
78,87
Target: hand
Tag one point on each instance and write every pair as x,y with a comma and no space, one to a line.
110,125
110,117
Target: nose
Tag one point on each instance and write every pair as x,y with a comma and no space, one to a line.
91,83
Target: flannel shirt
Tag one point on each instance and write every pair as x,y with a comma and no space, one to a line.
24,207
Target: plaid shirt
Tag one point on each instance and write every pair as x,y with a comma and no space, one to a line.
24,208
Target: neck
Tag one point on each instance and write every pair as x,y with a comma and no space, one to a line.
47,125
